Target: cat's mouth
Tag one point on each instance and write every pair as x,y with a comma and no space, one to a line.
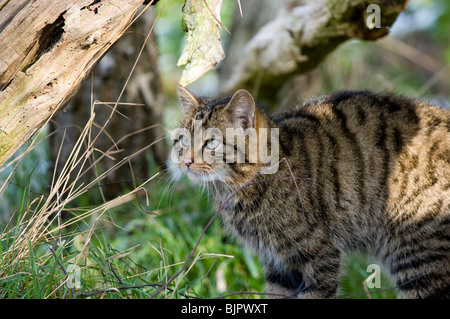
200,177
196,176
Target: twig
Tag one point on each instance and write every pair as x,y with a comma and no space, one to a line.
136,194
301,202
242,292
113,289
116,289
433,80
412,54
111,267
240,7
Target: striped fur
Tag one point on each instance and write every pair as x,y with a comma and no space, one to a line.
373,173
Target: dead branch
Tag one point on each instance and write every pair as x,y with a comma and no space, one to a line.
300,36
48,48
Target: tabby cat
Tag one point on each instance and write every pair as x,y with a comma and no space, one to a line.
372,174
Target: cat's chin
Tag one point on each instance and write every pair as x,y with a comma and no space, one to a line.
194,179
197,178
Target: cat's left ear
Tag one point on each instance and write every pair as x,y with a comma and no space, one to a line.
188,100
242,109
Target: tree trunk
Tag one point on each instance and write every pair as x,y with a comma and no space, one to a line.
47,49
144,99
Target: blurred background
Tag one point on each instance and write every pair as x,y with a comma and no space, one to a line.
126,245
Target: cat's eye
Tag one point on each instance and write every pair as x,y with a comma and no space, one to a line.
185,141
212,144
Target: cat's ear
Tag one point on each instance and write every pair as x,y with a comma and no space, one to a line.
241,109
188,100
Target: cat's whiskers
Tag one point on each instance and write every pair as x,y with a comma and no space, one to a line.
204,183
172,187
166,184
170,184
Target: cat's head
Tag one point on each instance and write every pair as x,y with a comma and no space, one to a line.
217,140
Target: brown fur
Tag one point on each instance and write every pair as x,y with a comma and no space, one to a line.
373,173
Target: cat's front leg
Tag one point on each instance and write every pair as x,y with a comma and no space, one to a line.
282,283
321,275
292,285
316,278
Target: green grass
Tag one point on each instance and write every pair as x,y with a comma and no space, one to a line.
128,254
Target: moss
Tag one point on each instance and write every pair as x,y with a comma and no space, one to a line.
203,48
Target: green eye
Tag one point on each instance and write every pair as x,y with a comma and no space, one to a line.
212,144
185,141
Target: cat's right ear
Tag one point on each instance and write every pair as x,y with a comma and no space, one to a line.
188,100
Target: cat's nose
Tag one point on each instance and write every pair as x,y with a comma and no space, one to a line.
188,161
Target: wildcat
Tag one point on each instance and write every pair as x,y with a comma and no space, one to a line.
372,174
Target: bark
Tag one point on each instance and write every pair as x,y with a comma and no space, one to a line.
47,49
298,38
